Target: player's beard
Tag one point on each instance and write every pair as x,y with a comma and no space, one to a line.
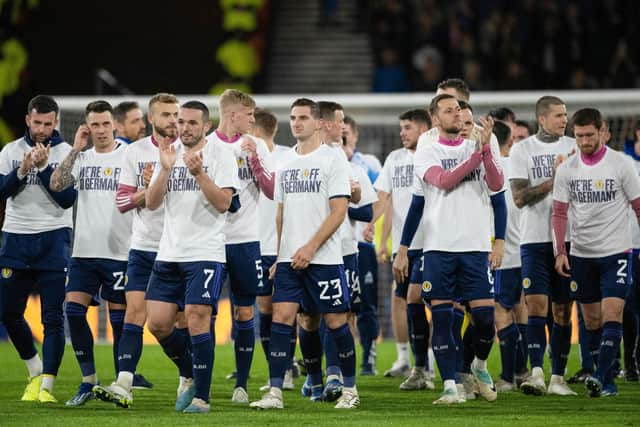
39,137
167,132
192,140
453,129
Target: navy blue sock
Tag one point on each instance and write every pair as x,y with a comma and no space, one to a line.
346,353
419,333
468,352
202,348
330,352
292,344
593,339
265,332
279,356
521,351
536,340
81,337
130,348
508,348
184,333
368,329
586,361
629,336
311,347
177,348
483,320
443,342
609,346
116,318
561,345
458,319
244,343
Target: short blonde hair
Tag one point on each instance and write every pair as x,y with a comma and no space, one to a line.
164,98
233,97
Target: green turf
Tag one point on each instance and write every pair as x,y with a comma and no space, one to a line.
382,402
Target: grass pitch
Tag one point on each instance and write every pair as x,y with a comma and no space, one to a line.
382,402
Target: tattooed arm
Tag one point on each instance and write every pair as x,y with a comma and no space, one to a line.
525,195
62,178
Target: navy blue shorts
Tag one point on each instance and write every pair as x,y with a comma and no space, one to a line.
415,273
90,275
593,279
265,285
181,283
463,276
139,269
508,287
46,251
353,281
539,274
243,266
318,288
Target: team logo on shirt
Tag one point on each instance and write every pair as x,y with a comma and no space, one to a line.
240,161
6,273
573,286
526,283
108,171
426,286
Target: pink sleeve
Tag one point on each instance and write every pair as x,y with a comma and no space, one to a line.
635,204
448,179
266,179
493,174
124,197
559,225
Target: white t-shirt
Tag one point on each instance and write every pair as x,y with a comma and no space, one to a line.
633,221
304,185
458,220
194,229
101,231
147,224
396,178
533,160
598,197
242,226
32,210
367,197
267,210
511,258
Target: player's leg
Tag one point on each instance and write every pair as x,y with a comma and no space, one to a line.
521,318
243,265
130,346
165,296
328,287
368,327
288,290
419,335
586,361
399,326
615,280
15,287
560,339
52,294
535,283
507,294
630,323
476,281
438,287
83,284
203,281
